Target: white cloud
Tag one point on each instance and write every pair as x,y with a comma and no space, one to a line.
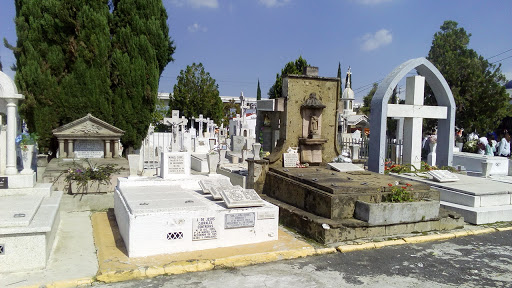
196,3
274,3
371,2
381,38
196,28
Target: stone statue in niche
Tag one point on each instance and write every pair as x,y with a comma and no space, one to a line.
313,127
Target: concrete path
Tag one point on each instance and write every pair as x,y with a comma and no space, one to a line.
73,256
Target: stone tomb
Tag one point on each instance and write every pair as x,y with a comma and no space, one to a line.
88,137
478,200
157,216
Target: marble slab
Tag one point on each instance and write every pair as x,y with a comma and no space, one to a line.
345,167
443,176
238,197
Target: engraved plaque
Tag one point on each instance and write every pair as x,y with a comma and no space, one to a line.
204,228
443,176
89,149
4,184
176,164
239,220
238,197
266,215
290,160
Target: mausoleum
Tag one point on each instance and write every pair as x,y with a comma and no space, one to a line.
88,137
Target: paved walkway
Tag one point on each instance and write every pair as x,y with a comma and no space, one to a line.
76,253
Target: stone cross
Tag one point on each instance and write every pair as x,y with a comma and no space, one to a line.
238,128
414,112
174,122
243,107
201,120
183,126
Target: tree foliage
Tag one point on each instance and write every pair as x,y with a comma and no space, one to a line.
339,76
291,67
258,91
476,84
197,93
367,100
141,48
231,108
100,57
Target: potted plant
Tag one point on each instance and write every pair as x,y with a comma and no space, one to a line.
81,180
26,142
397,206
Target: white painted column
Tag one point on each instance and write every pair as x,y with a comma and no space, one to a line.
11,138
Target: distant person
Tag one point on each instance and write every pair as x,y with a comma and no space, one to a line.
504,146
492,143
484,148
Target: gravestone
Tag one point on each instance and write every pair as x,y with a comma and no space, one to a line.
174,164
238,197
290,159
237,143
344,167
413,112
443,176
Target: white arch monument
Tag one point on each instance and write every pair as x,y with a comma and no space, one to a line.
414,112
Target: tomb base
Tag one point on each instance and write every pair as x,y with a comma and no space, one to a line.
21,180
329,231
199,163
157,216
26,240
478,200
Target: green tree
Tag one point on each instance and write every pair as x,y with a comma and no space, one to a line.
141,49
290,68
339,76
197,93
61,52
367,100
258,91
476,84
231,108
3,70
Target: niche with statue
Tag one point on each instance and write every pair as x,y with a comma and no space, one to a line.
311,142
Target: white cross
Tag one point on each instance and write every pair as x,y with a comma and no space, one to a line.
414,112
243,108
237,119
201,120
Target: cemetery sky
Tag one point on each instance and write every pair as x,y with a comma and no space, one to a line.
240,42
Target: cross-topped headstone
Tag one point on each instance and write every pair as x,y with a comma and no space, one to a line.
175,122
243,108
201,120
237,120
414,112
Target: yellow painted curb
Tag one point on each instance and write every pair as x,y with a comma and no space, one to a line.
246,260
504,229
464,233
323,251
118,276
188,266
389,243
483,231
71,283
427,238
355,247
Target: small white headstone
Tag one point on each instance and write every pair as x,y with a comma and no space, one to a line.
174,163
290,159
345,167
443,176
238,197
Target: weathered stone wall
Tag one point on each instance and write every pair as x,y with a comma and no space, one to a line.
296,89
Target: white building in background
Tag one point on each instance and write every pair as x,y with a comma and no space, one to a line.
348,119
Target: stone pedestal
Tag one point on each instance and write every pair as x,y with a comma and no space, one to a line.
354,151
311,150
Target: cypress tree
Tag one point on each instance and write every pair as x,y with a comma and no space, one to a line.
258,91
141,48
339,76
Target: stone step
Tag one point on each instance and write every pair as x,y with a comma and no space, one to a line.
481,215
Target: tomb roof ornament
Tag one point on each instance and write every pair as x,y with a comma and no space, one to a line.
313,102
87,126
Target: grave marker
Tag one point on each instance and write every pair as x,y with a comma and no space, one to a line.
290,160
443,176
238,197
239,220
204,228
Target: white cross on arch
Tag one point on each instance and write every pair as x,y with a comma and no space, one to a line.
414,112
